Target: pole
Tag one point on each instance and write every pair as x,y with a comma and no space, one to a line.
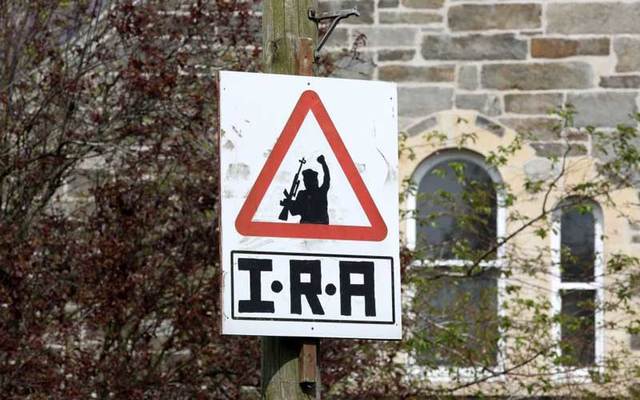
289,365
286,31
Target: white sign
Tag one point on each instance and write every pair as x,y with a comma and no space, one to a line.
309,207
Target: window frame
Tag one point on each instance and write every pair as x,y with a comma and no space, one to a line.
582,374
443,373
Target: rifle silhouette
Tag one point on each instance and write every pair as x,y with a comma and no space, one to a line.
284,214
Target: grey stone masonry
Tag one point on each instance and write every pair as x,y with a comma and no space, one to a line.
476,17
561,48
557,150
406,73
603,108
512,61
339,38
346,65
538,76
388,3
536,128
486,104
535,103
635,342
620,82
468,77
474,47
628,53
491,126
413,102
422,126
388,36
593,17
416,18
396,55
423,3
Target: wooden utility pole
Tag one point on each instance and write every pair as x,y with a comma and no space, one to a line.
289,365
287,36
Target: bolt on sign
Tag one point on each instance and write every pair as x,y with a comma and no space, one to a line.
309,207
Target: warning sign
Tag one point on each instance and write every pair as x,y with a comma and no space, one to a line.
309,206
311,203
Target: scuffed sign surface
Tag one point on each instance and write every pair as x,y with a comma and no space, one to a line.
306,286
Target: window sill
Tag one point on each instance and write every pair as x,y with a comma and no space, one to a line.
447,375
576,375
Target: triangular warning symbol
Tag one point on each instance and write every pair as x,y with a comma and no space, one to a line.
310,101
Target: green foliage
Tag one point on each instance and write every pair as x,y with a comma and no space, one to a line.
453,326
109,284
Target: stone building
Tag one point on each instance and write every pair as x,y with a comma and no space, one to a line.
476,75
478,80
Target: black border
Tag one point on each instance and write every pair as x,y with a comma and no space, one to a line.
279,253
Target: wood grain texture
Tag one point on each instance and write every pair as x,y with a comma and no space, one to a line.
289,39
284,23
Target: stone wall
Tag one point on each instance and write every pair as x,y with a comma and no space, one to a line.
512,61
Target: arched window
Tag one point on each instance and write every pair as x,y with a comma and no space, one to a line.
455,229
456,209
577,272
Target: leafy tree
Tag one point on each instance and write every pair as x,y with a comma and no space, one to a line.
108,280
109,285
452,327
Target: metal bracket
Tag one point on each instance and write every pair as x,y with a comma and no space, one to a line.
335,18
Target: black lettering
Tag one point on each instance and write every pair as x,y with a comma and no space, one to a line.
255,304
310,289
366,289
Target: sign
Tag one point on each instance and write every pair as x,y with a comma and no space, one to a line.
309,207
310,102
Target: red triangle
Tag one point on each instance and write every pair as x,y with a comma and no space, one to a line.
309,101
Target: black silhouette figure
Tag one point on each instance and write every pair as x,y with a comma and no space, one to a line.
284,214
311,203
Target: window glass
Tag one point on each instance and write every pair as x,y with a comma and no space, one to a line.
456,211
456,306
457,318
577,238
578,327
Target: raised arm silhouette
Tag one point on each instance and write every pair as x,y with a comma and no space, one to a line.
310,203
